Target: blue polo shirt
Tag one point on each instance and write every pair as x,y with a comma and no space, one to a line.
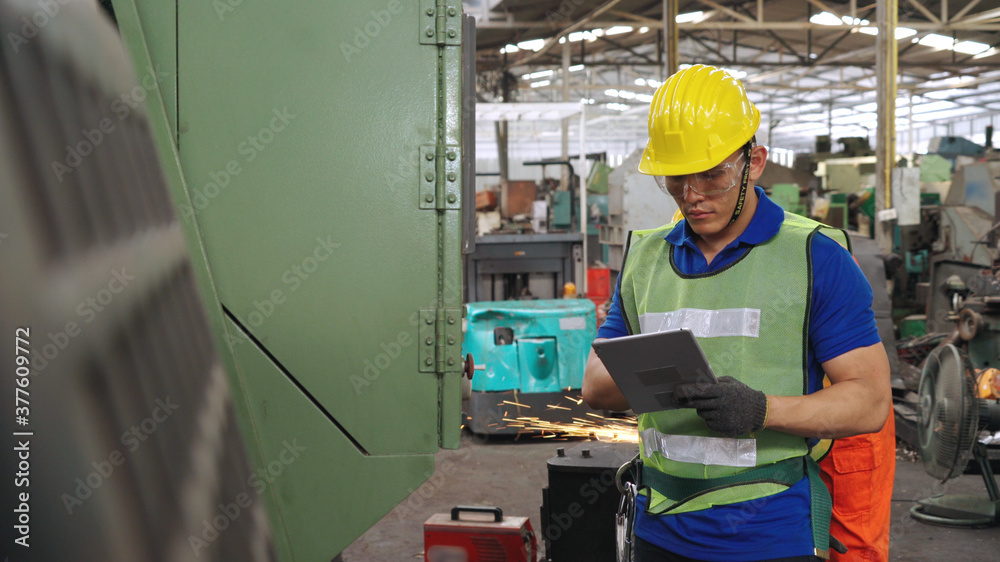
841,319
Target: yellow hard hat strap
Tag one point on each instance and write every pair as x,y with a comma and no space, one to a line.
747,148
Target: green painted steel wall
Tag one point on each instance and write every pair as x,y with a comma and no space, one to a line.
297,130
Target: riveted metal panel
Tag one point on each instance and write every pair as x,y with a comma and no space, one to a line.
303,140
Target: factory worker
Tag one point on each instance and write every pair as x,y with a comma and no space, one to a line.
776,302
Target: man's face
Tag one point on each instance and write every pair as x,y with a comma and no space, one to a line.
710,197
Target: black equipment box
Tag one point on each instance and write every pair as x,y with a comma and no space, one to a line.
580,502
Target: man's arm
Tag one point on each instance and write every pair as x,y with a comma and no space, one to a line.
857,401
599,390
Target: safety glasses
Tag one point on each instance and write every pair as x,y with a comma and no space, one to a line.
709,183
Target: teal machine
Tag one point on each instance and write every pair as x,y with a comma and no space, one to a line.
533,353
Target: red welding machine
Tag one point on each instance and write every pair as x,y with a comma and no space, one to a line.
474,538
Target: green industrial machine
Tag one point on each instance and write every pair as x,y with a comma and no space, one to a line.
322,154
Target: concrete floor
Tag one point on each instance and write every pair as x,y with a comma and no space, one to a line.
511,473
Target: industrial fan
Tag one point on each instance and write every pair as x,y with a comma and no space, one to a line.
951,418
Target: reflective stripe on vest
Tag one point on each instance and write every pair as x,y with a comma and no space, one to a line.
719,451
704,323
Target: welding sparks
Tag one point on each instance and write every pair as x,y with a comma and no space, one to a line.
601,429
578,400
516,404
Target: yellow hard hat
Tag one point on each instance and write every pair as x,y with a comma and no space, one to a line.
678,215
698,117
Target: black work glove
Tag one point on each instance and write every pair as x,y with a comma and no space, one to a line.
728,407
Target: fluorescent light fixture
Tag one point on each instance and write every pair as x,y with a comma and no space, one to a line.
617,106
690,17
645,98
643,29
653,83
867,107
826,18
640,81
970,47
936,41
588,101
618,30
540,84
576,68
901,32
987,53
612,92
532,45
539,74
592,35
626,94
509,49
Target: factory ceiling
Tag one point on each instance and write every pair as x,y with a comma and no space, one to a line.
809,64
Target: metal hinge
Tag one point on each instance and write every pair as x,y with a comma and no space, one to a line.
440,22
440,177
440,340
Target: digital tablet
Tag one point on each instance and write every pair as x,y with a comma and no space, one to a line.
647,367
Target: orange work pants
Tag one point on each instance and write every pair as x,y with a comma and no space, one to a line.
859,472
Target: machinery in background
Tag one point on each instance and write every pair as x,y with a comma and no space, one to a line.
516,266
529,243
533,354
952,419
634,203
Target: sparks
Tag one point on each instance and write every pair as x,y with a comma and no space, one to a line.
599,429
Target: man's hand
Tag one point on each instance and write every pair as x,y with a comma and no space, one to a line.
728,407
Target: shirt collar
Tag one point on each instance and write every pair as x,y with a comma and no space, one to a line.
764,225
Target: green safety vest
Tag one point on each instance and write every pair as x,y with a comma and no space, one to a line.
752,321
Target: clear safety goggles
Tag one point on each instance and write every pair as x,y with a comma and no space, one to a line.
715,181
